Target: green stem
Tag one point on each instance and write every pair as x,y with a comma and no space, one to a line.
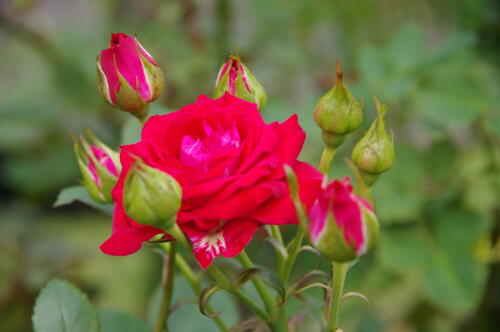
326,159
141,115
222,280
292,257
168,283
276,234
280,260
258,283
298,238
338,278
194,282
279,324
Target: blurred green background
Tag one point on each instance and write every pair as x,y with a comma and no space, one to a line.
434,62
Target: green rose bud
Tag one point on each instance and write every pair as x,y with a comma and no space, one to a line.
99,165
374,153
150,196
338,113
235,78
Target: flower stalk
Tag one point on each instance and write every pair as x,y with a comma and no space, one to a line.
339,271
168,283
326,159
194,283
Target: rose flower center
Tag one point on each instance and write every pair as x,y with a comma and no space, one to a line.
215,143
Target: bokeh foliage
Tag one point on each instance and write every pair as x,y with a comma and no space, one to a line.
435,63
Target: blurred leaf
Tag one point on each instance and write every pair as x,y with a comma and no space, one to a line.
405,48
398,193
268,276
117,321
79,193
61,307
454,277
403,249
447,109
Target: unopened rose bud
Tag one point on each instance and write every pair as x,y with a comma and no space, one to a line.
236,79
99,165
374,153
338,113
150,196
129,78
342,225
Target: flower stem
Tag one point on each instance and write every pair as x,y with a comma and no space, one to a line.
326,159
222,280
142,115
258,283
339,271
168,283
194,282
276,234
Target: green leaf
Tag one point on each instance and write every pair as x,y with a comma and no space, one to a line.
268,276
114,321
61,307
306,279
79,193
205,296
403,249
406,47
454,276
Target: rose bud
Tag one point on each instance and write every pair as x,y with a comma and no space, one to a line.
129,78
235,78
150,196
374,153
338,113
99,165
342,225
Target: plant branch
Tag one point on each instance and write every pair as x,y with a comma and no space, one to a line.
339,271
168,283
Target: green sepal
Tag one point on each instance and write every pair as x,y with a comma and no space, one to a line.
372,227
155,77
129,99
333,245
204,299
268,276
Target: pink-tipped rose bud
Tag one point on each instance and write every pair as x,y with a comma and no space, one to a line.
129,78
236,79
342,225
99,166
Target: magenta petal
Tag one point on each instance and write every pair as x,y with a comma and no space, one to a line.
348,214
130,66
107,65
228,240
127,236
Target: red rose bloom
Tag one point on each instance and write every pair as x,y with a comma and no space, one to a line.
230,166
